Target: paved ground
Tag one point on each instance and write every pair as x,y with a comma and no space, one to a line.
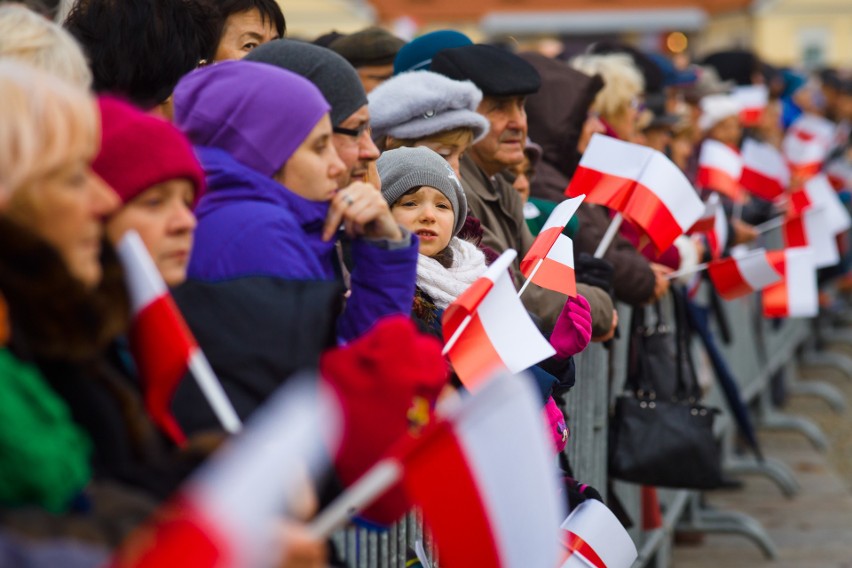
811,530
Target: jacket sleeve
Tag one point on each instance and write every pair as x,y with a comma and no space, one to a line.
382,284
633,279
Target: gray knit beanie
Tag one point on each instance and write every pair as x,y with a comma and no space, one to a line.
417,104
404,169
336,79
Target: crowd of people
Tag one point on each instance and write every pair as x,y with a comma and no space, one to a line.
296,196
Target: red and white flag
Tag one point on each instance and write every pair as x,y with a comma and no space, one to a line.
821,195
738,276
708,219
839,172
162,345
720,168
484,478
765,172
642,184
550,260
229,514
810,229
593,536
714,225
807,144
796,295
487,328
752,100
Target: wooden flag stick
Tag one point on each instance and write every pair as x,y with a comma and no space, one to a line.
611,231
532,274
691,270
773,223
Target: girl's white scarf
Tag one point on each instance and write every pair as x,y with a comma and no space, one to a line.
444,285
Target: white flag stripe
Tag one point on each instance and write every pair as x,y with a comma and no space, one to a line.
820,240
563,212
766,159
756,270
615,157
820,128
716,155
562,251
751,96
499,267
601,530
519,344
822,196
673,189
144,282
525,516
802,296
249,483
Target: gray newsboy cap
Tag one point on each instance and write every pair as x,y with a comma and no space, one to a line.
404,169
418,104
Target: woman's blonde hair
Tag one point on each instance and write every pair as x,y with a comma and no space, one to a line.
29,37
458,136
44,123
622,81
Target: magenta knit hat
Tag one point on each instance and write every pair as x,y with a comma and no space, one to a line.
139,151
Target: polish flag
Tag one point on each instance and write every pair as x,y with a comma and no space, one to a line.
483,476
161,343
708,219
490,329
230,513
821,195
807,144
765,172
642,184
753,100
550,260
720,168
593,536
738,276
810,229
796,295
718,237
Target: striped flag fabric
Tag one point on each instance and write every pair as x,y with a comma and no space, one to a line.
642,184
810,229
720,168
765,172
484,478
549,262
161,343
796,295
593,536
821,195
707,220
807,144
229,513
491,328
839,172
753,100
738,276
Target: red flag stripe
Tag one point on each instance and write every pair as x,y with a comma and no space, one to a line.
751,116
539,249
761,185
451,491
474,357
556,276
728,279
601,188
466,304
718,180
649,213
576,545
794,233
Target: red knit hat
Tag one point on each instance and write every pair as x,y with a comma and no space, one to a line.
387,381
139,150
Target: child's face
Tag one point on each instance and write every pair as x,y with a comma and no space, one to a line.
522,173
428,214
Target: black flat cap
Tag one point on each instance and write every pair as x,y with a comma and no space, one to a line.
497,72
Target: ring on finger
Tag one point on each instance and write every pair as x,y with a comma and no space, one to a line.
348,200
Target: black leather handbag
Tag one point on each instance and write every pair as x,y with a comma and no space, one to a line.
660,434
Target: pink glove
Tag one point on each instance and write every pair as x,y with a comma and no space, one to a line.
557,424
573,328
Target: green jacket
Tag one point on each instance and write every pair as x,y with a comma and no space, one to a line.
44,455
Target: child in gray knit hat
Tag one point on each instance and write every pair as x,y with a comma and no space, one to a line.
427,198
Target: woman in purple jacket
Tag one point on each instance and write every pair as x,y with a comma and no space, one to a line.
265,280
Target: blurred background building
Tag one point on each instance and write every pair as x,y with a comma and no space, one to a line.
808,33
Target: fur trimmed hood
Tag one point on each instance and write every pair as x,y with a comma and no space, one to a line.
53,316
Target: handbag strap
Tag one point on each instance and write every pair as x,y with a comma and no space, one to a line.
688,387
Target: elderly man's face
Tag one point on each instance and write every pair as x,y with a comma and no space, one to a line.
355,146
504,145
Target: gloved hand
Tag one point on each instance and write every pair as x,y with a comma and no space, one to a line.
594,271
573,328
